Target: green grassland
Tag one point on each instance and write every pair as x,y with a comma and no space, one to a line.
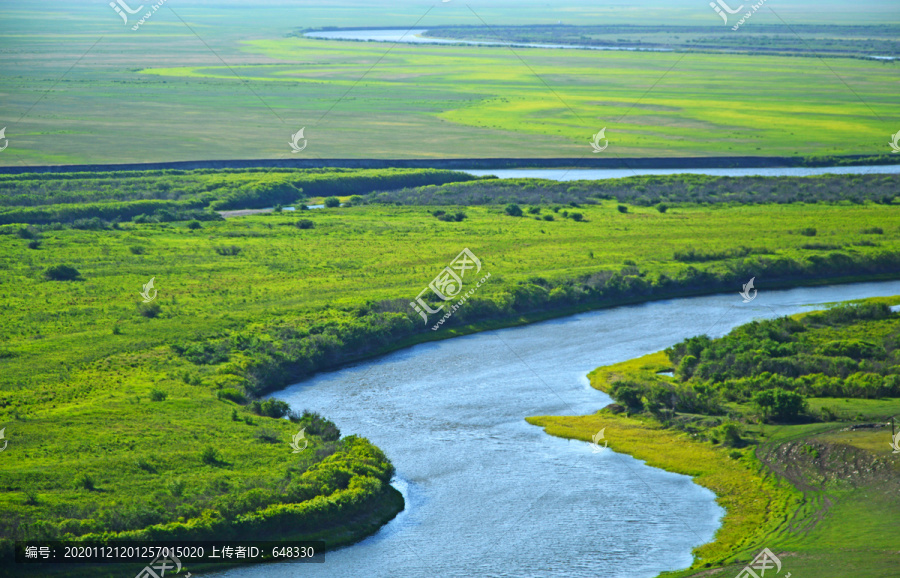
229,88
140,419
817,493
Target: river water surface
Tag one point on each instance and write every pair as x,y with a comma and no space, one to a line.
489,495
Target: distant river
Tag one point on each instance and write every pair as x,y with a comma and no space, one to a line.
489,495
414,36
592,174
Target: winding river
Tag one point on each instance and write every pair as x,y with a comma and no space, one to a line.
489,495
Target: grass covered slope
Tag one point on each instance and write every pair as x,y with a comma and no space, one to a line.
812,486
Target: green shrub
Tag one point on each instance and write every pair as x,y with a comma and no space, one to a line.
873,231
35,244
305,224
332,202
137,250
270,408
158,395
576,216
149,310
357,200
231,394
195,224
808,231
84,481
513,210
209,455
228,250
548,218
62,273
662,207
622,209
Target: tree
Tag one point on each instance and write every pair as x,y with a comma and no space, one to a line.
662,207
576,216
194,225
332,202
622,209
626,393
513,210
781,404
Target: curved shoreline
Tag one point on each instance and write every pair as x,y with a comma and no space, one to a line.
475,163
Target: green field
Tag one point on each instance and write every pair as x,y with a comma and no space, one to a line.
228,88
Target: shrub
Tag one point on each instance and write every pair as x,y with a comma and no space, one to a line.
277,208
534,210
209,456
357,200
137,250
232,394
873,231
305,224
228,250
332,202
808,232
662,207
84,481
62,273
513,210
266,435
317,425
149,310
270,408
195,224
158,395
35,244
576,216
548,218
438,212
622,209
26,233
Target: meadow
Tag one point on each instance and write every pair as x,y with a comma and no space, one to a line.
231,88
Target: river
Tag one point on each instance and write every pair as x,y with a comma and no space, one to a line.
489,495
415,36
592,174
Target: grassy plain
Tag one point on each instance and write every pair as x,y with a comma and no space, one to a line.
234,86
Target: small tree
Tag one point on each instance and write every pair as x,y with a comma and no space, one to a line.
513,210
576,216
332,202
622,209
305,224
193,225
662,207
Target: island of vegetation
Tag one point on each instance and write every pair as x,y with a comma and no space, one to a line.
788,421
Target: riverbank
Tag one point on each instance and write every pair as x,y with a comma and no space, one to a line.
725,162
788,487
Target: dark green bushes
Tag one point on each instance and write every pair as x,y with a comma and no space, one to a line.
62,273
